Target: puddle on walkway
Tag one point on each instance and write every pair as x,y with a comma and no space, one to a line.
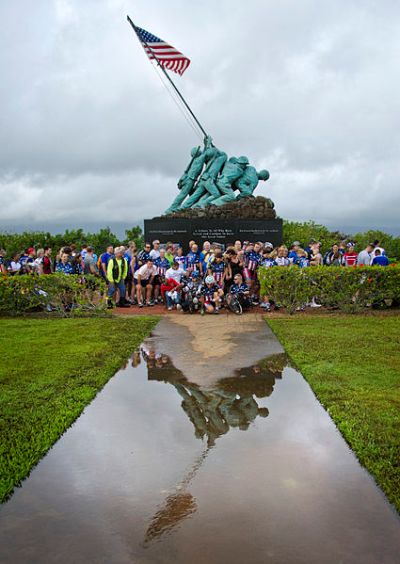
159,468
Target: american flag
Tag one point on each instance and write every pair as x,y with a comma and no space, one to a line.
167,56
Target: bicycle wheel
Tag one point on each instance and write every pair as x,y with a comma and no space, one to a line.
235,306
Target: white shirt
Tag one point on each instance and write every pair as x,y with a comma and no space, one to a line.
175,274
154,254
145,272
364,258
14,266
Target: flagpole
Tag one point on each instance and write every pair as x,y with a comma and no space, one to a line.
170,79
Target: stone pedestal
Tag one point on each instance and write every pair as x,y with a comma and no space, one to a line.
247,219
224,231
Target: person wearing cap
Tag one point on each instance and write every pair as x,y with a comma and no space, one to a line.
155,251
144,277
350,256
117,270
211,295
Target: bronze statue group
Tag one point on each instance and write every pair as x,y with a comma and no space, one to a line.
212,179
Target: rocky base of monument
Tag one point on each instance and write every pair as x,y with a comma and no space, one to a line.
245,208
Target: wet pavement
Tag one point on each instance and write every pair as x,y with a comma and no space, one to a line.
201,450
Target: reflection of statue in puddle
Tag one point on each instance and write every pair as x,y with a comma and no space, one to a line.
231,403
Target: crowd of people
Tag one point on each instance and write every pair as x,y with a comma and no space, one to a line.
209,277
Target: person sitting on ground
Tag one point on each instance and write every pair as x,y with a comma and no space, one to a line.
173,277
379,259
211,295
190,289
240,290
117,269
144,277
350,256
162,265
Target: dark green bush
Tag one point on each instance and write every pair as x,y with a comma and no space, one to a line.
347,289
57,294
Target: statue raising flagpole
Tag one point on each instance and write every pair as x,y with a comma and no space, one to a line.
211,178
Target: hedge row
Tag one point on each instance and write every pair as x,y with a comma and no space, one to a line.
347,289
57,294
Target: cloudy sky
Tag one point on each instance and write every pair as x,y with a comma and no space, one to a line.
310,90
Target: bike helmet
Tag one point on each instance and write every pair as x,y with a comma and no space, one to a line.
210,280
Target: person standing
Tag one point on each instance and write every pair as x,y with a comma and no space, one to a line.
379,259
350,256
89,263
47,267
155,251
3,269
364,257
117,270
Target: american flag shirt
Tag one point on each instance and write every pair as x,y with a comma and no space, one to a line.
217,269
208,292
268,262
181,261
193,261
251,260
239,288
162,266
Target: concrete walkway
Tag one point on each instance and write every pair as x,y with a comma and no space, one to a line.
207,448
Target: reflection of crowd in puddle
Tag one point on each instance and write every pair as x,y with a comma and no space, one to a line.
232,402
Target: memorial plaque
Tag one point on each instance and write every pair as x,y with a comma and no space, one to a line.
224,231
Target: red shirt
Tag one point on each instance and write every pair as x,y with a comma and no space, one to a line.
46,265
350,258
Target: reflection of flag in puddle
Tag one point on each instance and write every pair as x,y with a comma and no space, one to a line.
177,507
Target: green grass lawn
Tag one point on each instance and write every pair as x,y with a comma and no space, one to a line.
353,365
50,370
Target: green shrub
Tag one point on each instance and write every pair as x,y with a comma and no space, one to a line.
57,293
348,289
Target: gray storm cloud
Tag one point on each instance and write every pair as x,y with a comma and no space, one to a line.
308,90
